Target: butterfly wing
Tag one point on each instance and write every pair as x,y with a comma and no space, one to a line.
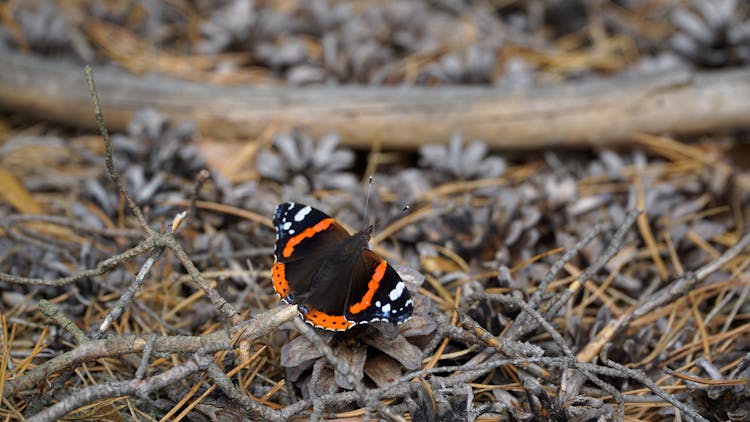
305,236
331,274
377,292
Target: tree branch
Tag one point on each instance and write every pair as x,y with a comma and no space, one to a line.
602,112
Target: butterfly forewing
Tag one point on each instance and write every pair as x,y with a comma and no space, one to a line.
299,232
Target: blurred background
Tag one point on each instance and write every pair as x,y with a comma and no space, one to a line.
514,42
457,108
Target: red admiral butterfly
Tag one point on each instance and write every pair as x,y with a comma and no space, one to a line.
334,278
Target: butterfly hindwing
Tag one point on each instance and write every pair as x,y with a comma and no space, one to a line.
381,295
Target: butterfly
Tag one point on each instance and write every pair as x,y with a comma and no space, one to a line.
334,278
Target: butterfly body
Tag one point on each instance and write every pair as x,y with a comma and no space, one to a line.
333,276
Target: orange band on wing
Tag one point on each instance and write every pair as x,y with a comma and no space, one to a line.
372,287
308,232
327,321
280,284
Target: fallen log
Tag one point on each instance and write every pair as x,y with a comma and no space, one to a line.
600,112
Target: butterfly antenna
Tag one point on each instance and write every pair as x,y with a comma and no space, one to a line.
367,202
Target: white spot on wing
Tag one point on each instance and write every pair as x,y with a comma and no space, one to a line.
291,231
291,205
286,226
397,291
301,214
386,308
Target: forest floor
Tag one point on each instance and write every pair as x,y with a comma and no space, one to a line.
568,221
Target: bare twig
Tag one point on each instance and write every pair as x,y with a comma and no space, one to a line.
370,400
536,298
255,410
154,241
148,349
405,385
216,299
103,267
119,345
579,114
505,347
200,179
673,291
111,169
645,380
138,387
522,325
132,290
266,322
477,330
113,346
614,246
50,311
563,345
684,284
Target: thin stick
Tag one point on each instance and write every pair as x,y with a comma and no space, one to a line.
136,387
520,324
684,284
114,346
103,267
132,290
563,345
251,406
370,400
111,170
148,349
216,299
572,114
645,380
50,311
203,175
614,246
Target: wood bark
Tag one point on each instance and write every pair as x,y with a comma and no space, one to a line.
600,112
